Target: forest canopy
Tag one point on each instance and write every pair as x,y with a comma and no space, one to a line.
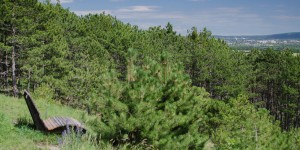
153,87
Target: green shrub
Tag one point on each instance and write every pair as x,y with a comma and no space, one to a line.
155,106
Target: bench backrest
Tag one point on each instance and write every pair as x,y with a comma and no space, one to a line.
38,122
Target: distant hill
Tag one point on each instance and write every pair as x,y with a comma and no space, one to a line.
292,35
275,41
281,36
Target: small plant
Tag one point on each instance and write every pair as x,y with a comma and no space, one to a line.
75,139
24,121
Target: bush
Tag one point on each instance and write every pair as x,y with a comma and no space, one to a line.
155,106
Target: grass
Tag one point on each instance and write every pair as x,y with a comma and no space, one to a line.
16,126
17,131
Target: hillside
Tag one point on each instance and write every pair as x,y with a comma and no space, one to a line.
286,36
17,129
142,88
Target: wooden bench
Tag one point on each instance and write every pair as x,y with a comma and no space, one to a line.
53,124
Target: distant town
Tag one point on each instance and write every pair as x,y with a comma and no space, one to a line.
276,41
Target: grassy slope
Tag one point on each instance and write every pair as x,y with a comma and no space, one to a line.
16,125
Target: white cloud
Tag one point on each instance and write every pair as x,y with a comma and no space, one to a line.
66,1
228,21
137,12
86,12
139,9
62,1
145,13
143,16
149,16
224,20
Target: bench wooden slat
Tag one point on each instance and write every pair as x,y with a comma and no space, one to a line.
53,124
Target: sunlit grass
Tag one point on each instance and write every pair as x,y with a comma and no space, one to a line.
17,130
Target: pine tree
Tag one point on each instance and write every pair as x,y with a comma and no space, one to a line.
17,26
156,106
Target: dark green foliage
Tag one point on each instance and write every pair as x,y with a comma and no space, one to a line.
16,27
148,87
155,105
213,65
276,84
239,125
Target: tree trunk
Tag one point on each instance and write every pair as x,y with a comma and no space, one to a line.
298,110
13,70
29,78
6,74
13,61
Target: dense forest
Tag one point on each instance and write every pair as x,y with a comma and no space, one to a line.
154,88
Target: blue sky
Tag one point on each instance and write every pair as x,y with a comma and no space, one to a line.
222,17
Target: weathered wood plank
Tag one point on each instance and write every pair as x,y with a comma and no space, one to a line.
53,124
